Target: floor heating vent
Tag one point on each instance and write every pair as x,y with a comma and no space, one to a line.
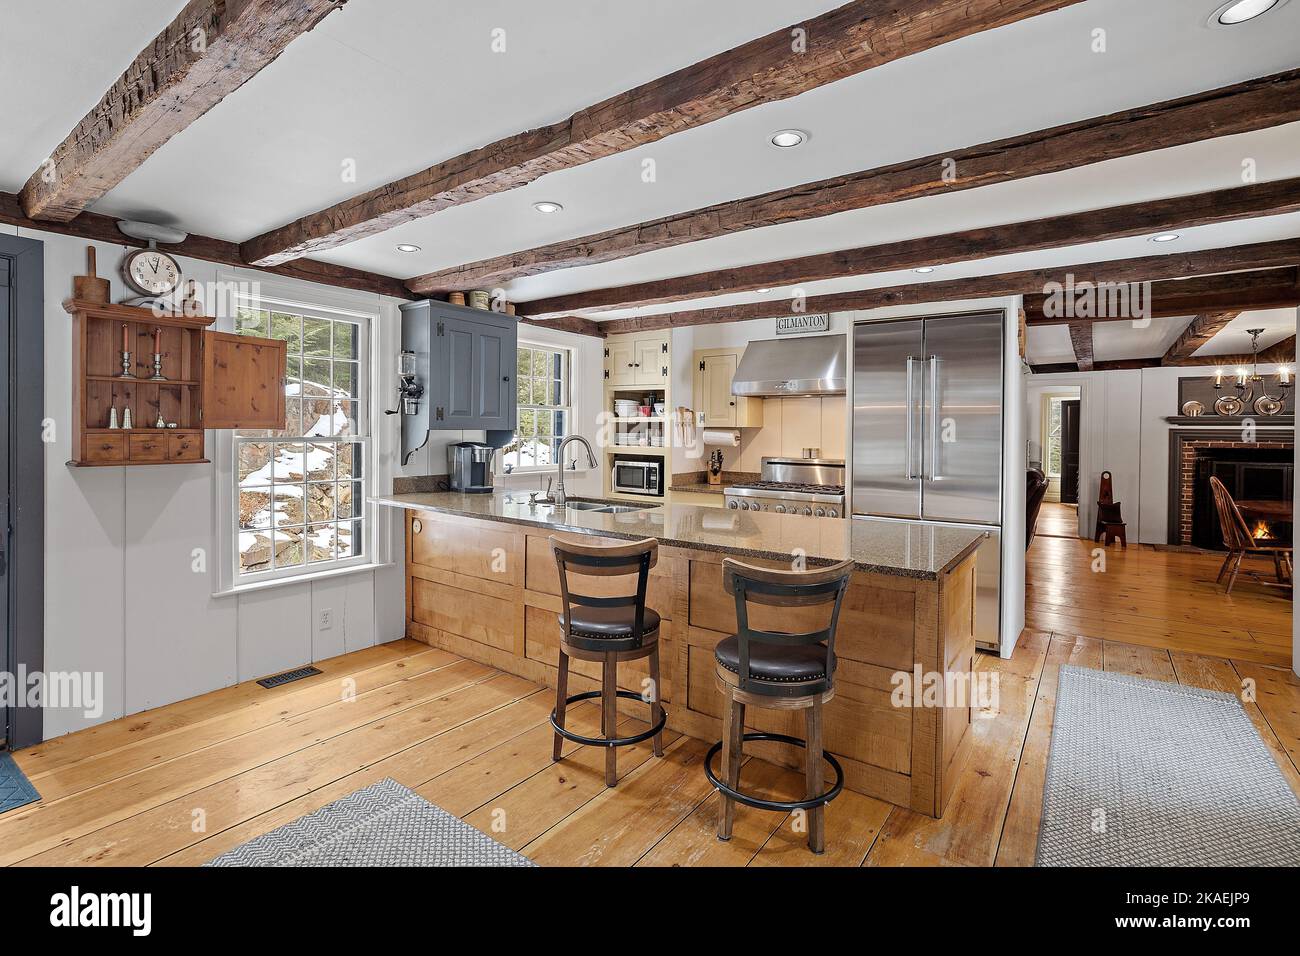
288,677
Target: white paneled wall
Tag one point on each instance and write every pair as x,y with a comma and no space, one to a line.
130,553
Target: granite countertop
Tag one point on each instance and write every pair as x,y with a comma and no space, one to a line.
901,548
697,483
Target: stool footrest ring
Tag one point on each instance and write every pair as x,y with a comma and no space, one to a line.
759,803
609,741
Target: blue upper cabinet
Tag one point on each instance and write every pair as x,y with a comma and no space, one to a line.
465,358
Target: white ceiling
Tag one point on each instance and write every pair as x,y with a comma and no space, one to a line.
398,85
1112,341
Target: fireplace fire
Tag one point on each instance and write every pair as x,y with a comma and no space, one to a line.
1262,531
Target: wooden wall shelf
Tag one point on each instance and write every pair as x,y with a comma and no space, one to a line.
211,380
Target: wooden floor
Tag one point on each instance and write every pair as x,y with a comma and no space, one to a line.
1056,520
183,783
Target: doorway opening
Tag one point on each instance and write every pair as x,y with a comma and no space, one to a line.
1055,433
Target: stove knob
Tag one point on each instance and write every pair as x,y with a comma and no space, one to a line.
821,512
733,505
779,509
807,512
832,513
755,506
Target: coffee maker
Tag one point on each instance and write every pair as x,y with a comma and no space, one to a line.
469,467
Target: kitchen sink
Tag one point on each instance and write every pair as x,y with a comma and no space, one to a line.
605,507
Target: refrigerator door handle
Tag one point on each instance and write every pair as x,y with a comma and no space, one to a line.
909,472
934,419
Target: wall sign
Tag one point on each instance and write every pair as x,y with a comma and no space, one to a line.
801,324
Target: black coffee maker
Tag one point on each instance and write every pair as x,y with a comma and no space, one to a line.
469,467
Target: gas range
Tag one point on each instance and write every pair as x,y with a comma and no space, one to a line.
812,487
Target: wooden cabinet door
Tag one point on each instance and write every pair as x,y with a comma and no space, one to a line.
496,360
242,381
650,361
717,405
621,363
458,371
474,379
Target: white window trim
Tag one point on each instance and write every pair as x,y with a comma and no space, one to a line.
1046,428
570,360
332,304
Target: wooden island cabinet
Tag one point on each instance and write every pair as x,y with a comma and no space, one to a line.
481,582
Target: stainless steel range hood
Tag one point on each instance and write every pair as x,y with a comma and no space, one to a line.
813,365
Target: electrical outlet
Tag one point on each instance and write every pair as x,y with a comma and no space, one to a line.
326,618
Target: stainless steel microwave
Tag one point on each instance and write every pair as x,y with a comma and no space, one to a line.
635,476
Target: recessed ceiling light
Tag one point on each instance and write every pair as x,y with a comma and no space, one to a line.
407,247
924,270
547,207
788,138
762,291
1240,11
1165,237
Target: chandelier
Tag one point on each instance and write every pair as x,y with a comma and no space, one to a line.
1246,383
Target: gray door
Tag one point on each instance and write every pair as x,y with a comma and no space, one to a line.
962,396
6,639
887,426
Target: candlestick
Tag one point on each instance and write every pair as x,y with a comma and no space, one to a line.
126,340
126,365
157,340
1218,378
1285,374
157,376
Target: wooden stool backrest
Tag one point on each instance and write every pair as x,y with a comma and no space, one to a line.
1106,493
603,560
774,587
1236,533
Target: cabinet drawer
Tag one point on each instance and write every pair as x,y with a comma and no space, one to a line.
104,448
184,447
148,447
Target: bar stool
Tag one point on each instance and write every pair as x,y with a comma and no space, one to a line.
783,671
607,630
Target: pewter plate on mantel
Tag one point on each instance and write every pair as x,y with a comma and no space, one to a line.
1193,409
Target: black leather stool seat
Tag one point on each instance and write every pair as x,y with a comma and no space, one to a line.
609,628
775,662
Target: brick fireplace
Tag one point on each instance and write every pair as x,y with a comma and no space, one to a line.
1257,469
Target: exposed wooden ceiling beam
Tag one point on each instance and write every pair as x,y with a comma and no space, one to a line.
1096,225
210,50
1284,253
90,225
1239,291
1117,365
1240,108
843,42
1283,353
1201,329
1081,340
569,323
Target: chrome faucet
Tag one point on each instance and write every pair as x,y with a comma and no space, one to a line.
560,496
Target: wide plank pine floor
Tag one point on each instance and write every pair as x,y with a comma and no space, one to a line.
181,784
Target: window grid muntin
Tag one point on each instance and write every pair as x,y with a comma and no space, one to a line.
554,386
291,325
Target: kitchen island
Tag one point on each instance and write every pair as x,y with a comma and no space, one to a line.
481,582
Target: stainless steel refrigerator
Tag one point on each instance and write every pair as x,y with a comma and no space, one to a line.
927,433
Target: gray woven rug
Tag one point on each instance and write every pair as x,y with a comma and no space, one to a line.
1149,773
383,825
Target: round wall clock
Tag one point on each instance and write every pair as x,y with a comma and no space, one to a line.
151,272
